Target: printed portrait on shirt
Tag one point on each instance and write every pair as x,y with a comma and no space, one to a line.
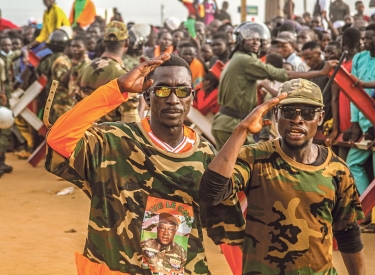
164,238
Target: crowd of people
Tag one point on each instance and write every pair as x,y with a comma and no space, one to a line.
120,132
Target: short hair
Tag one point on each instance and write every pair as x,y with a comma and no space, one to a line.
187,45
312,45
174,61
221,35
113,46
5,37
370,27
351,38
318,34
358,2
336,44
275,60
160,34
81,38
287,27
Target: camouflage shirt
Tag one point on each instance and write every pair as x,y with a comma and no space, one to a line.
100,72
122,170
75,71
293,210
61,102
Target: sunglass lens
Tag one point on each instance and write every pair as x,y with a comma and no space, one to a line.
288,112
162,91
182,91
308,113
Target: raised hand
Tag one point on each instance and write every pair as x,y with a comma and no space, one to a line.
134,81
254,122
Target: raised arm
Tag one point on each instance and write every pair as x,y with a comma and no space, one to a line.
70,127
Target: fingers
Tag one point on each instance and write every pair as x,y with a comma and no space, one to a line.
266,122
269,104
328,142
147,84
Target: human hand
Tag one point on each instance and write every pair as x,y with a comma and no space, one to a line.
328,141
254,122
370,144
358,83
134,81
3,99
353,133
329,66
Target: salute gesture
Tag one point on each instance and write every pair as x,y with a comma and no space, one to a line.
134,81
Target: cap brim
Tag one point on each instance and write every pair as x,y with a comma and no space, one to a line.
287,101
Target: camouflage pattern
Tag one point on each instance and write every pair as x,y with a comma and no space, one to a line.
301,91
130,61
100,72
116,31
44,68
75,71
168,258
4,133
118,167
61,102
8,63
293,210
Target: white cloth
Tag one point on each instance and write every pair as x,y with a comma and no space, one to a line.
297,63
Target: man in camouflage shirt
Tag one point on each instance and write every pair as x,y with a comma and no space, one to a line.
108,67
132,170
300,195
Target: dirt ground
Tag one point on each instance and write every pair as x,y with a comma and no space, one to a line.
39,231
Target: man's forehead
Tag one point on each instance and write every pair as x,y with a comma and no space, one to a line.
170,73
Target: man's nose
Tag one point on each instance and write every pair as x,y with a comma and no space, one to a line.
173,99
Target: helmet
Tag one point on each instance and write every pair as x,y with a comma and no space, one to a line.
138,35
249,30
59,38
6,118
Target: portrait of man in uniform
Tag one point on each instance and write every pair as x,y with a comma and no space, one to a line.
162,254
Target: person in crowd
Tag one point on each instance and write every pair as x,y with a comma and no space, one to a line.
82,13
164,45
306,35
360,8
94,31
338,10
362,68
237,88
228,29
313,57
108,67
207,53
177,36
205,99
213,27
200,30
286,42
351,40
138,165
316,22
283,181
53,18
116,15
222,14
209,11
188,53
326,39
91,45
220,48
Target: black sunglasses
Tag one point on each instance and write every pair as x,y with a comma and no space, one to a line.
165,91
290,112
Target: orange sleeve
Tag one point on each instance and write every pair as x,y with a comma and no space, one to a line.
71,126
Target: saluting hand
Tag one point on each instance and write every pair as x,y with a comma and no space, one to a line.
134,81
254,122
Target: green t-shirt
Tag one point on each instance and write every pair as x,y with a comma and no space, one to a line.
293,210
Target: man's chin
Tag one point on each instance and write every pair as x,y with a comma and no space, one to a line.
296,146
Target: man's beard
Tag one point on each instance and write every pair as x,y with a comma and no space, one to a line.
295,147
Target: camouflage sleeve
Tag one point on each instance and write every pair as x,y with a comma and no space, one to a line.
59,68
15,55
242,168
347,209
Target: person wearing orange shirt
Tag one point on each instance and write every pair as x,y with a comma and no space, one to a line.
83,13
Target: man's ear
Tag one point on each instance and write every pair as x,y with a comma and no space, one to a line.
146,96
275,109
321,117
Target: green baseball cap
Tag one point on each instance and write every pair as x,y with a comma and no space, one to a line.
301,91
115,31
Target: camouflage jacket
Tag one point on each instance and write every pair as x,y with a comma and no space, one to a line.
119,168
293,210
75,71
